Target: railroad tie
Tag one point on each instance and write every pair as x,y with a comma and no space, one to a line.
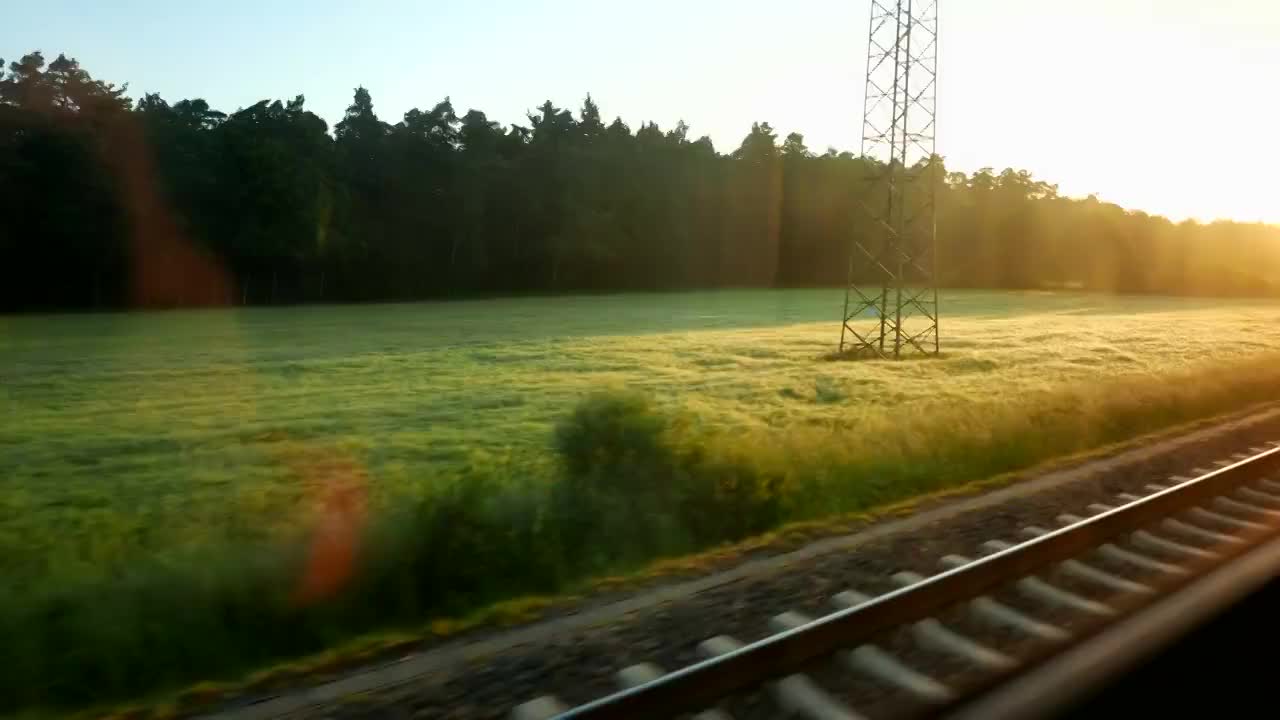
850,598
871,660
1115,553
1209,516
797,694
1270,486
637,675
543,708
1195,531
994,612
939,638
1243,508
1147,541
1258,496
1182,528
1034,587
1082,571
1118,554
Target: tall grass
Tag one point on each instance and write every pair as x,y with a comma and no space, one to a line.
633,481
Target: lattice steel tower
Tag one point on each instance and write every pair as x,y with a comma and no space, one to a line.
891,302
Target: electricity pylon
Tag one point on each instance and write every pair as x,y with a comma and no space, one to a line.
891,301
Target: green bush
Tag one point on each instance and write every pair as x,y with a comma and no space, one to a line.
640,483
727,494
472,539
615,501
617,437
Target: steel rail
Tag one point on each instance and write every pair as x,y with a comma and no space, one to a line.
1063,681
702,685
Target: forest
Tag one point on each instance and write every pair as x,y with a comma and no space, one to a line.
107,202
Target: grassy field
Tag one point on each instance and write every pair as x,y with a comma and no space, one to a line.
134,442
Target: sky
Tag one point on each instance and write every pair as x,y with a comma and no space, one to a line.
1167,106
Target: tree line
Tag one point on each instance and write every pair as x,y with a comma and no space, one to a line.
109,202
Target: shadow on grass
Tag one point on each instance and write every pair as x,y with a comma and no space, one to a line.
867,353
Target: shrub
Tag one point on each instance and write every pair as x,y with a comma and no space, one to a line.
641,483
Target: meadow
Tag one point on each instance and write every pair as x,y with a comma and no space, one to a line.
188,494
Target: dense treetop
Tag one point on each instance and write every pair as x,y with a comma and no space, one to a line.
110,202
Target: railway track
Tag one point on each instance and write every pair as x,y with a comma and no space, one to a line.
973,638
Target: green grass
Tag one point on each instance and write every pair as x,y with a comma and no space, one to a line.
165,473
